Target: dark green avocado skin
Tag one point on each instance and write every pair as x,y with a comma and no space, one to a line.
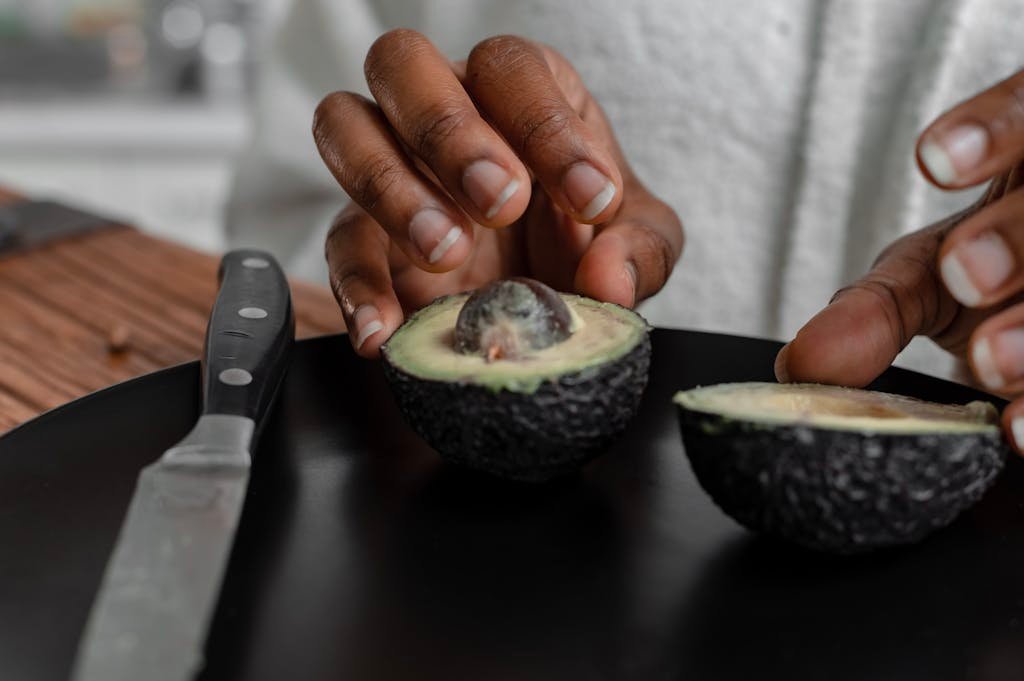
839,491
530,437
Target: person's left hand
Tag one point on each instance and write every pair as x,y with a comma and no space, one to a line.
959,282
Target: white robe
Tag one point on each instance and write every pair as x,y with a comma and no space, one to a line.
782,132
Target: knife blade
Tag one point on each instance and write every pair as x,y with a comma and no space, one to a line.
159,591
28,224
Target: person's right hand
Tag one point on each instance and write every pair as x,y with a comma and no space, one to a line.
462,173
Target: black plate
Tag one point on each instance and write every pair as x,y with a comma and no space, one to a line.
361,556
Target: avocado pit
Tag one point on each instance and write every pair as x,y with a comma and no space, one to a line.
508,318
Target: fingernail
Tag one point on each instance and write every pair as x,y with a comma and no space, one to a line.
977,268
489,186
985,365
781,373
588,190
433,233
367,321
1017,426
1008,348
999,359
956,153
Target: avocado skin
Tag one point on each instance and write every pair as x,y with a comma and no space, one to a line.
529,437
839,491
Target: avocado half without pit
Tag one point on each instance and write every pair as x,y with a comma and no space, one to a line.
838,469
518,380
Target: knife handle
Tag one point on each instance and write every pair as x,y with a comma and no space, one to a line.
249,337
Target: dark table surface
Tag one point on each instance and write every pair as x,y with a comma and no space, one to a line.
361,556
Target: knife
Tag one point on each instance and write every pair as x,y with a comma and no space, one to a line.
152,611
27,224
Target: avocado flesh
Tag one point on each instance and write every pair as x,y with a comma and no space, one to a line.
836,469
534,418
423,346
834,407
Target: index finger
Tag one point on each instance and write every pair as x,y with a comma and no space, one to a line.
858,335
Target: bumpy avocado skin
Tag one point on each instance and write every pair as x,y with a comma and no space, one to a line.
839,491
531,437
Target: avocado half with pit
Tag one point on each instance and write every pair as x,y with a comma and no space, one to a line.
518,380
838,469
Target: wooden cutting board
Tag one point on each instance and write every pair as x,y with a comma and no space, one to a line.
85,312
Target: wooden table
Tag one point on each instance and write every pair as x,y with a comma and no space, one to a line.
91,310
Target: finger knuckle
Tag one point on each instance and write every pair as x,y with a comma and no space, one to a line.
345,283
391,52
370,182
656,257
673,227
905,304
539,125
499,53
344,221
915,289
888,297
332,108
436,127
344,280
491,61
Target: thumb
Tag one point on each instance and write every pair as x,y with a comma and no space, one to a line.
632,256
858,335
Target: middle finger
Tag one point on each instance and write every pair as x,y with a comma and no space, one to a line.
430,111
513,83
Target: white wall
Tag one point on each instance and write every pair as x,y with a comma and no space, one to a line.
165,167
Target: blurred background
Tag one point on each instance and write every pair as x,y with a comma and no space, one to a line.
135,108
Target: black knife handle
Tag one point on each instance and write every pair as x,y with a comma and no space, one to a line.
249,337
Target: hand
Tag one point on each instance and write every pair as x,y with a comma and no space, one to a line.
464,173
960,282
